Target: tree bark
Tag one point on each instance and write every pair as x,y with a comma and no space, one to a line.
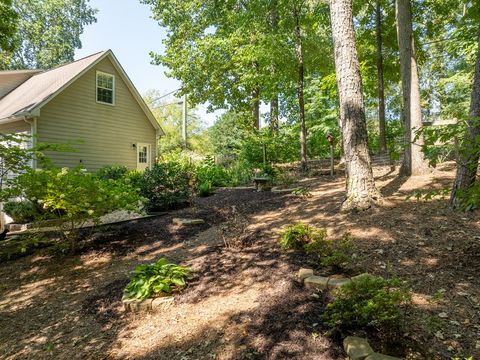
380,82
361,190
467,164
256,108
414,162
274,113
300,87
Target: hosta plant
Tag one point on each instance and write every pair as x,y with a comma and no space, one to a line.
157,279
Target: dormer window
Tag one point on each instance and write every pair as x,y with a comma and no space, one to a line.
105,88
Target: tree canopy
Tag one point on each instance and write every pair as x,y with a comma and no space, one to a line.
48,33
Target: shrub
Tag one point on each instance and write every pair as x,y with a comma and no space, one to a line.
76,196
338,253
113,172
335,253
208,172
302,192
369,303
297,235
21,211
240,173
166,186
160,277
469,199
205,189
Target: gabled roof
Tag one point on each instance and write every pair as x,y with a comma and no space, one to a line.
27,99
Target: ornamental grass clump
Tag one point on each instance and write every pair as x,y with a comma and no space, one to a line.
157,279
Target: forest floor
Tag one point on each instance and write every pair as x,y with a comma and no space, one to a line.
244,301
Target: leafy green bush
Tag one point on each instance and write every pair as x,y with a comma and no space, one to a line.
216,175
338,253
240,173
167,185
335,253
302,192
469,199
369,303
113,172
21,211
205,189
158,278
298,235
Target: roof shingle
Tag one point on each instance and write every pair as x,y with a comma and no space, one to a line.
40,87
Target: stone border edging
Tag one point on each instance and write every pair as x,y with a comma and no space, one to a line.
322,282
359,349
150,304
187,222
278,190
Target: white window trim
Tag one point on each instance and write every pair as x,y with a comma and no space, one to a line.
96,88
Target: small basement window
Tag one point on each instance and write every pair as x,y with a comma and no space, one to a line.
105,88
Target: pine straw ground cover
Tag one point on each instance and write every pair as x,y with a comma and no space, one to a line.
244,301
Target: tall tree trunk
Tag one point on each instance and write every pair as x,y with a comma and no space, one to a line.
361,190
467,164
274,113
256,108
414,162
380,82
300,86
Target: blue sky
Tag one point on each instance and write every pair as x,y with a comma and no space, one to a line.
126,28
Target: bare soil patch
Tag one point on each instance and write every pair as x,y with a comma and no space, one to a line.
244,301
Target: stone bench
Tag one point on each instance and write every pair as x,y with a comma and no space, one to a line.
262,183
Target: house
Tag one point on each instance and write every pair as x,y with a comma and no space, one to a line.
90,103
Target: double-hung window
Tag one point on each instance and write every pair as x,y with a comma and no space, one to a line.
105,88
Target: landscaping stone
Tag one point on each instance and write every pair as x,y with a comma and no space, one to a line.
187,222
357,348
322,282
304,273
377,356
277,190
162,302
136,305
336,283
360,275
316,282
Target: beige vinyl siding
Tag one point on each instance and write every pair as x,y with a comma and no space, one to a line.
102,134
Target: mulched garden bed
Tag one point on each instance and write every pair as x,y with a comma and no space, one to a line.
244,301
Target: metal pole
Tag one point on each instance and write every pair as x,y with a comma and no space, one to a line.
264,154
184,122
